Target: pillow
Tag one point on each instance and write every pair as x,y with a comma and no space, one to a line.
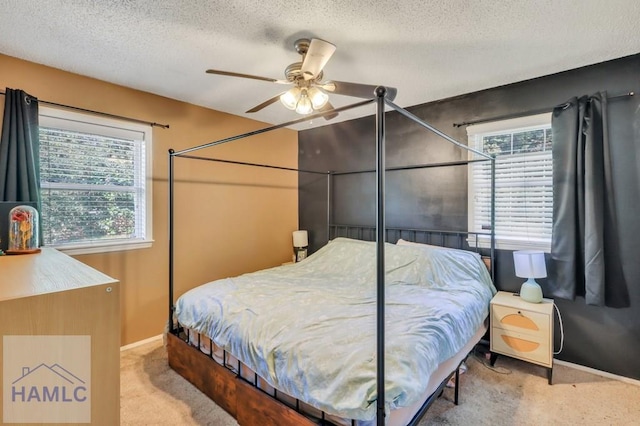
485,260
402,242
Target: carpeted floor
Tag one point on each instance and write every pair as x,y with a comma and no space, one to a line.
515,393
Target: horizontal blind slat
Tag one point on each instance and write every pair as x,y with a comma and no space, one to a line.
93,187
523,183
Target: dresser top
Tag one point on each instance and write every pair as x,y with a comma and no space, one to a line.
49,271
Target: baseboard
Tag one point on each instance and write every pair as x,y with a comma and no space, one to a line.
140,343
597,372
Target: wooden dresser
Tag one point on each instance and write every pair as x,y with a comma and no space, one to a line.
55,298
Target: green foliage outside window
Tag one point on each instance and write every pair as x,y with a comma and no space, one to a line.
518,143
88,187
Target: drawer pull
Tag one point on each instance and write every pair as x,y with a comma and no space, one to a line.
520,321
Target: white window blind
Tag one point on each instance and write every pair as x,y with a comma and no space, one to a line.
524,182
94,177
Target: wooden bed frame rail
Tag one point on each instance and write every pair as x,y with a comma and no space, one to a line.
247,403
244,400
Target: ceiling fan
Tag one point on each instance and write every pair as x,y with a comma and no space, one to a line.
309,93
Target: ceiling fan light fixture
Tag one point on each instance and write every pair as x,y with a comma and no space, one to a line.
304,105
290,98
318,98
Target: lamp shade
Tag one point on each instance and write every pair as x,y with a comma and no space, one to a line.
529,264
300,239
290,98
318,97
304,105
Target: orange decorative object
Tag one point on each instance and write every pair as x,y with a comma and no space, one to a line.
519,321
23,230
520,345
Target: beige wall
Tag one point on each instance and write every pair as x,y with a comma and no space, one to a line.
229,219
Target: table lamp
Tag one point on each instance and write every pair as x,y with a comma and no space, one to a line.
300,244
530,264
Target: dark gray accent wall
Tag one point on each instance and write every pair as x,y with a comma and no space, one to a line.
603,338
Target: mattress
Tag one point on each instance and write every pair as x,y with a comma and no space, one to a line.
309,329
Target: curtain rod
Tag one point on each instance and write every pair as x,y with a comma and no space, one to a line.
106,114
530,112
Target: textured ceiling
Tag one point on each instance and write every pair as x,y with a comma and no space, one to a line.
428,49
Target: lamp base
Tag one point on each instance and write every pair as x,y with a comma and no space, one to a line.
300,253
531,291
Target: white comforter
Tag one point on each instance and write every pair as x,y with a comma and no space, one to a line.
309,328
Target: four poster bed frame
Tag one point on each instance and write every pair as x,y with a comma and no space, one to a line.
229,386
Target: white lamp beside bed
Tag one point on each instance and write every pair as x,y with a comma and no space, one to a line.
300,244
530,264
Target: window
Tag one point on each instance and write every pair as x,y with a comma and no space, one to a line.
524,182
95,182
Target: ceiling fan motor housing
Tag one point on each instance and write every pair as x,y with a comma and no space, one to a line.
302,45
293,73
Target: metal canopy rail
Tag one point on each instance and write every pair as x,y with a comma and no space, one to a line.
243,163
380,101
413,167
269,129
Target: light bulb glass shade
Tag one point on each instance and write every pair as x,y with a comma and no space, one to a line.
290,98
300,239
318,97
304,106
529,264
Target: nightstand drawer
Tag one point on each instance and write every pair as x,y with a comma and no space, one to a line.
522,346
520,320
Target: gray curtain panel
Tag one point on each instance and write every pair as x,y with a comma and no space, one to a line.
19,149
584,243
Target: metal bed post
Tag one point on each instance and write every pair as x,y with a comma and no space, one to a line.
329,189
493,217
171,159
380,240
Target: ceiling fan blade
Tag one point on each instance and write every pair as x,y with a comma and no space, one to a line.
366,91
316,58
265,103
253,77
328,107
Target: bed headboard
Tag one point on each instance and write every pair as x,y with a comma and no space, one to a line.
450,239
461,240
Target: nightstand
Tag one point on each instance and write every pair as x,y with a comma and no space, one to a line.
522,330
